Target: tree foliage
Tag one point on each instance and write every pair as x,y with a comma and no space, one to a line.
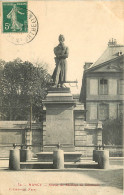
113,131
22,84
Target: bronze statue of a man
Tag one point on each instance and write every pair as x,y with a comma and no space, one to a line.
61,52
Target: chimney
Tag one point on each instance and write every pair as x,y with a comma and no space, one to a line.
87,65
112,42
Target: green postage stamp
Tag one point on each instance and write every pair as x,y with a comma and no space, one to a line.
15,17
19,24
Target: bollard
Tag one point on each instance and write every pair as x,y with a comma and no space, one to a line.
58,159
25,154
22,155
28,154
14,159
95,155
103,159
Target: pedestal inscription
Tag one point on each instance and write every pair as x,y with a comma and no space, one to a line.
59,120
59,105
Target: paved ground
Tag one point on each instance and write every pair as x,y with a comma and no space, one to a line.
67,182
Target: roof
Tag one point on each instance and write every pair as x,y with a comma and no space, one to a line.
112,52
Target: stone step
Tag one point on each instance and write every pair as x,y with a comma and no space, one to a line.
49,165
68,156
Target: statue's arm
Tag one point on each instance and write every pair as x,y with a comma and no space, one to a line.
8,15
65,55
20,13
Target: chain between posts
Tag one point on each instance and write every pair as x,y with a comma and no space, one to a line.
58,145
21,145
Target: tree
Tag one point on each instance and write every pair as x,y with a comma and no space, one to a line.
23,84
113,131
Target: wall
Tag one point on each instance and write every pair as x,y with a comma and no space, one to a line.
7,138
16,132
85,136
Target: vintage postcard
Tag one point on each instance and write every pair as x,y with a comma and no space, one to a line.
61,97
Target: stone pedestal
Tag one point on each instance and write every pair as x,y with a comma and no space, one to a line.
59,105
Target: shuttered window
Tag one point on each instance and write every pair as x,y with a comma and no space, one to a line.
113,110
121,109
103,111
103,86
121,87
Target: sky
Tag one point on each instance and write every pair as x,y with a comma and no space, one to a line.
86,25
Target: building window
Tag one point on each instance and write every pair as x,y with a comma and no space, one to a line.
121,109
121,87
103,87
113,110
103,111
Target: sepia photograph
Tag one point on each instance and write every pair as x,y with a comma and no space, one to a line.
61,97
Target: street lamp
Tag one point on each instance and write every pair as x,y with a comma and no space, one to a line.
30,94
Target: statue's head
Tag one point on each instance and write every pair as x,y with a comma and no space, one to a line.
61,38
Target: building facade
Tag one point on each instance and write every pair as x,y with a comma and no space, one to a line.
103,88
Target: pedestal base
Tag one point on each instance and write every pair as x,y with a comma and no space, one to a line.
68,156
